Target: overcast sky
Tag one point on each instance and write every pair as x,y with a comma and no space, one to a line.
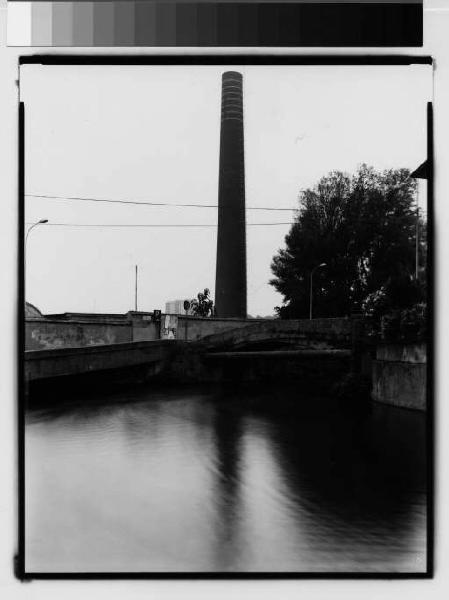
152,134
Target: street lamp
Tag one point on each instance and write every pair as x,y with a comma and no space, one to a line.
422,172
311,286
41,222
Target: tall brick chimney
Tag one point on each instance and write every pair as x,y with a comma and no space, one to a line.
230,281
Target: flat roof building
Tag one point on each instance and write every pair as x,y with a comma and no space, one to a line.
176,307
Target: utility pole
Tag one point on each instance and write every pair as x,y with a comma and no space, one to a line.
311,288
135,293
41,222
417,235
422,172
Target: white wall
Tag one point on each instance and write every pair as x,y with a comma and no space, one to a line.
437,44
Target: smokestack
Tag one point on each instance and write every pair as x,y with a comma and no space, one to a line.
230,281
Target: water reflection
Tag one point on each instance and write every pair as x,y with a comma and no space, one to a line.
188,480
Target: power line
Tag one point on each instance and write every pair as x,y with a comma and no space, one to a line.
188,225
144,225
169,205
145,203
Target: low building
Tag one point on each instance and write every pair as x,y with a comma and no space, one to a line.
176,307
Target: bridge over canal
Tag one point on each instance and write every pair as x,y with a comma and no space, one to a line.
277,351
316,334
271,350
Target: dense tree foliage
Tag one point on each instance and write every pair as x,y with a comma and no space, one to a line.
202,305
364,228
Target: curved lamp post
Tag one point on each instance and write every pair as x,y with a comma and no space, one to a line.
311,287
41,222
422,172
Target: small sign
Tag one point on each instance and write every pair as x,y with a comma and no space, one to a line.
169,327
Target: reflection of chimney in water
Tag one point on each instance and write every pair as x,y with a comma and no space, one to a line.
230,282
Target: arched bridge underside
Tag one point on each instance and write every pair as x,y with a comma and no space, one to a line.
317,335
313,353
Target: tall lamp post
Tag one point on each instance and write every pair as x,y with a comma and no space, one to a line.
422,172
135,289
311,287
41,222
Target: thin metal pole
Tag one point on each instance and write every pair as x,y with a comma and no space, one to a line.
311,288
311,294
417,235
417,246
135,293
25,246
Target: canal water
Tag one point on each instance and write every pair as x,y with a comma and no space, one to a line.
192,480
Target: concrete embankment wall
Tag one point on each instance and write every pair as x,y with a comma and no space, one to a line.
48,333
45,334
399,375
153,356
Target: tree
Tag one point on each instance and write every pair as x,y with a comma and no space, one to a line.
202,305
364,228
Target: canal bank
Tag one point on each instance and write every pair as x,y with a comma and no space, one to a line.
85,350
170,362
396,376
399,375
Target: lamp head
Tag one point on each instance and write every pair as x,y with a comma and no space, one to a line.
42,221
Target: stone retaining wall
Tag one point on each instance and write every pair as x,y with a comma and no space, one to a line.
399,375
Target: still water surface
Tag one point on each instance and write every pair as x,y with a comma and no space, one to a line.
190,480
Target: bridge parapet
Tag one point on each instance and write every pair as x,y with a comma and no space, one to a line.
302,333
63,362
